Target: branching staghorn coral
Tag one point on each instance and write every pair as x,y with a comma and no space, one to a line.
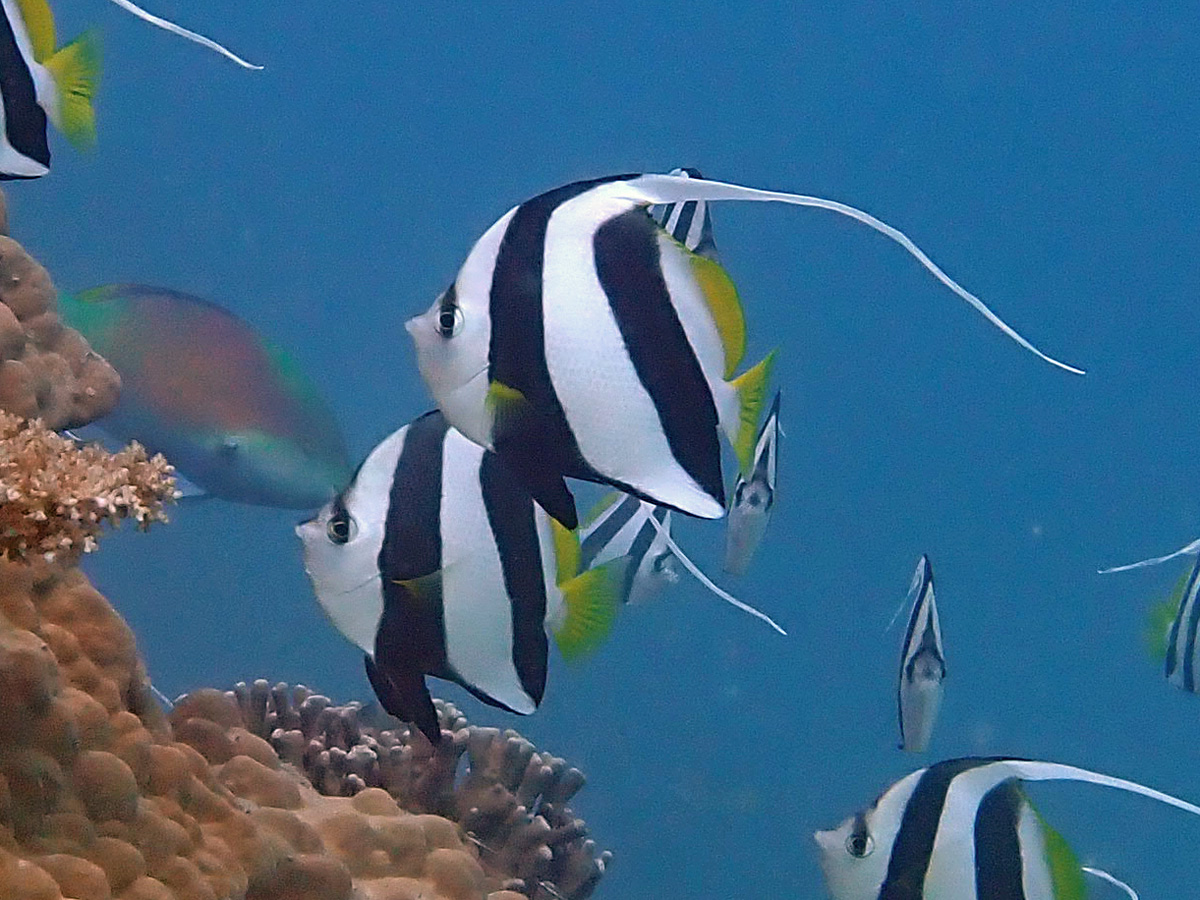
55,495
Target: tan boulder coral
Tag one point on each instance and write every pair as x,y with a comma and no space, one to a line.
47,370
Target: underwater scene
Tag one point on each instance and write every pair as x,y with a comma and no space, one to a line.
404,199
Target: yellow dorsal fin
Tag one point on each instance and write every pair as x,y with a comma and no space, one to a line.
566,552
725,306
76,69
592,599
39,22
751,387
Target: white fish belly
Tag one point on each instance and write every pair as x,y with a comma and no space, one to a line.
612,417
920,701
475,607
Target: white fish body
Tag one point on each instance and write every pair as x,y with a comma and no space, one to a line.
618,527
753,498
922,665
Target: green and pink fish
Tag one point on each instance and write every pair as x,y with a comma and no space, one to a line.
230,409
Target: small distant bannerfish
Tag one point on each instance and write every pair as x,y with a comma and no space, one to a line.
38,81
620,526
922,665
753,497
230,409
962,830
579,339
436,561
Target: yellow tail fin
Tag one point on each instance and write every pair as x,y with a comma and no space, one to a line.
1065,874
751,387
592,600
1160,619
76,70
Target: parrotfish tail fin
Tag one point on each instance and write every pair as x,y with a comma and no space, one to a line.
405,696
1034,770
592,599
1160,619
1113,880
665,533
183,32
1065,873
751,387
512,414
1190,550
673,189
76,69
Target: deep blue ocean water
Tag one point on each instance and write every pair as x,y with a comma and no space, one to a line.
1043,154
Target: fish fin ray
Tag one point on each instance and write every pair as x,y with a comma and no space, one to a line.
1036,770
39,23
751,388
1111,879
592,599
76,69
182,32
1187,550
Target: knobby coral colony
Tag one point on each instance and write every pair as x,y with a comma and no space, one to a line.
260,793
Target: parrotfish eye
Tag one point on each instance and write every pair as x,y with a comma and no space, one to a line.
859,842
341,527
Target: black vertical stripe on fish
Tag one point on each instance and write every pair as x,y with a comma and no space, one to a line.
999,866
913,847
411,636
628,266
638,550
24,118
683,222
1193,622
517,355
511,517
617,517
404,694
1173,640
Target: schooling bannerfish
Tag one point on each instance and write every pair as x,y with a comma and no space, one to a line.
922,665
436,561
753,497
230,409
38,81
961,830
620,526
579,339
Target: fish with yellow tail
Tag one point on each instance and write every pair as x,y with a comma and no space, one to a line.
962,829
40,81
436,561
582,340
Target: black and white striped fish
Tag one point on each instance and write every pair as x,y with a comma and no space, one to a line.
689,222
579,339
436,561
922,665
38,80
619,526
961,830
753,497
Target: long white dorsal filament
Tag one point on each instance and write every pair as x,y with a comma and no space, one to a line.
1190,550
1035,770
1111,879
706,581
674,189
200,39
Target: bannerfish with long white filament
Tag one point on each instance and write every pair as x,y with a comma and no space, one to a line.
579,339
922,665
182,32
436,561
39,80
619,526
753,497
961,830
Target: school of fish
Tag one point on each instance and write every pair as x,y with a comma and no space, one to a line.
592,334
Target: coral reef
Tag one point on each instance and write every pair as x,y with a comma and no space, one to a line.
103,798
55,495
47,370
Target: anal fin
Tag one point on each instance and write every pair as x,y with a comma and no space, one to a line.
405,696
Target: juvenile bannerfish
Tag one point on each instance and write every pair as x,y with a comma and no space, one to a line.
579,339
961,830
38,81
617,526
922,665
230,409
753,497
192,36
436,561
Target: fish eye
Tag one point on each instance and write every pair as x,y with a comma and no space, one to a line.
450,316
341,528
859,844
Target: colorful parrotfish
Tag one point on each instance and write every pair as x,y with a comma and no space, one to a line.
230,409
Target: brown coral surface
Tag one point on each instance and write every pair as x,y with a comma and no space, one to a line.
101,797
47,370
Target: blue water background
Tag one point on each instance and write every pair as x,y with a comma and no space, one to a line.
1044,154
